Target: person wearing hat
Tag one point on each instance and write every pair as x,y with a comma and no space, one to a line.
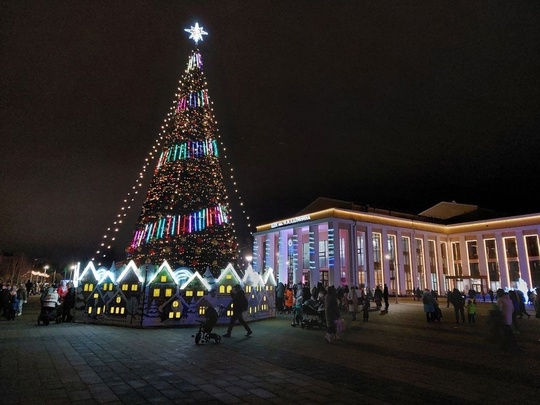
239,305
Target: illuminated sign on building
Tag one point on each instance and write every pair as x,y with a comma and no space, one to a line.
291,221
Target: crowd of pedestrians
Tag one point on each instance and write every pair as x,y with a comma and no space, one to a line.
509,307
13,298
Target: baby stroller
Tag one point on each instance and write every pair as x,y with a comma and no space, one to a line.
312,316
47,315
205,333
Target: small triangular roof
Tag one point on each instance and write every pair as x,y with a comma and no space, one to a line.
447,210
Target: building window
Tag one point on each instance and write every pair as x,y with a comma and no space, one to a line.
475,270
420,263
361,256
305,255
444,257
532,246
432,257
491,249
511,247
323,254
376,240
406,243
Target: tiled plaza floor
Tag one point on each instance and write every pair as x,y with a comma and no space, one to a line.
397,358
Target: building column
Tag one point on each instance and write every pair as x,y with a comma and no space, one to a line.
399,272
297,268
314,268
334,278
282,257
482,262
524,269
370,272
503,266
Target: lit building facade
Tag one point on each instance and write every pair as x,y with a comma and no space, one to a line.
338,243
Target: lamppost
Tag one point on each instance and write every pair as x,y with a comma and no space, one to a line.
248,258
46,275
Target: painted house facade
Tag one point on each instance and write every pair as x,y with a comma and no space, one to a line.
448,246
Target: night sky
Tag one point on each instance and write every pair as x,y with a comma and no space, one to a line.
399,105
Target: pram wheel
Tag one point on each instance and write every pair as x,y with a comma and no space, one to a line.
217,338
198,338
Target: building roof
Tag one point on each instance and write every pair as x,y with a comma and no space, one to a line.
446,210
441,213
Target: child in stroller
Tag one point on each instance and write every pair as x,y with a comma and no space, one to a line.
51,309
205,333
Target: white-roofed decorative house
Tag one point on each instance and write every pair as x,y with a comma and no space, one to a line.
150,296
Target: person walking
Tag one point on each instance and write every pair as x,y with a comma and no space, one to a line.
13,303
331,311
378,295
352,297
365,309
280,297
239,305
471,311
458,303
522,302
429,305
69,303
507,309
22,297
385,297
29,286
297,308
288,300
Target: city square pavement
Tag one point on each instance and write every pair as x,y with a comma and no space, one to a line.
395,358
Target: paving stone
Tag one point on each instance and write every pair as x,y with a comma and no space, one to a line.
390,359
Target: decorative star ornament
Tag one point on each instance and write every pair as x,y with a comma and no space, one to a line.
196,33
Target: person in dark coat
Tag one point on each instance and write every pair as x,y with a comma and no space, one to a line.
458,302
385,297
331,311
239,304
69,303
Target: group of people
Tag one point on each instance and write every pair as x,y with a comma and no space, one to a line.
12,299
59,295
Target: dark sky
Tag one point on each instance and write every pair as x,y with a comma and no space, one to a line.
399,105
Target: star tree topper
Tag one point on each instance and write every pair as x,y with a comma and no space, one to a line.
196,33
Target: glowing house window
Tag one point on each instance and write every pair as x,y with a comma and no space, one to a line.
88,287
107,286
221,289
163,279
168,292
89,310
96,296
228,277
134,287
248,288
229,288
200,293
202,310
156,292
125,287
189,293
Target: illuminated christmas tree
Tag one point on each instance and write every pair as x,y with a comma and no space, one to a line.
185,218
